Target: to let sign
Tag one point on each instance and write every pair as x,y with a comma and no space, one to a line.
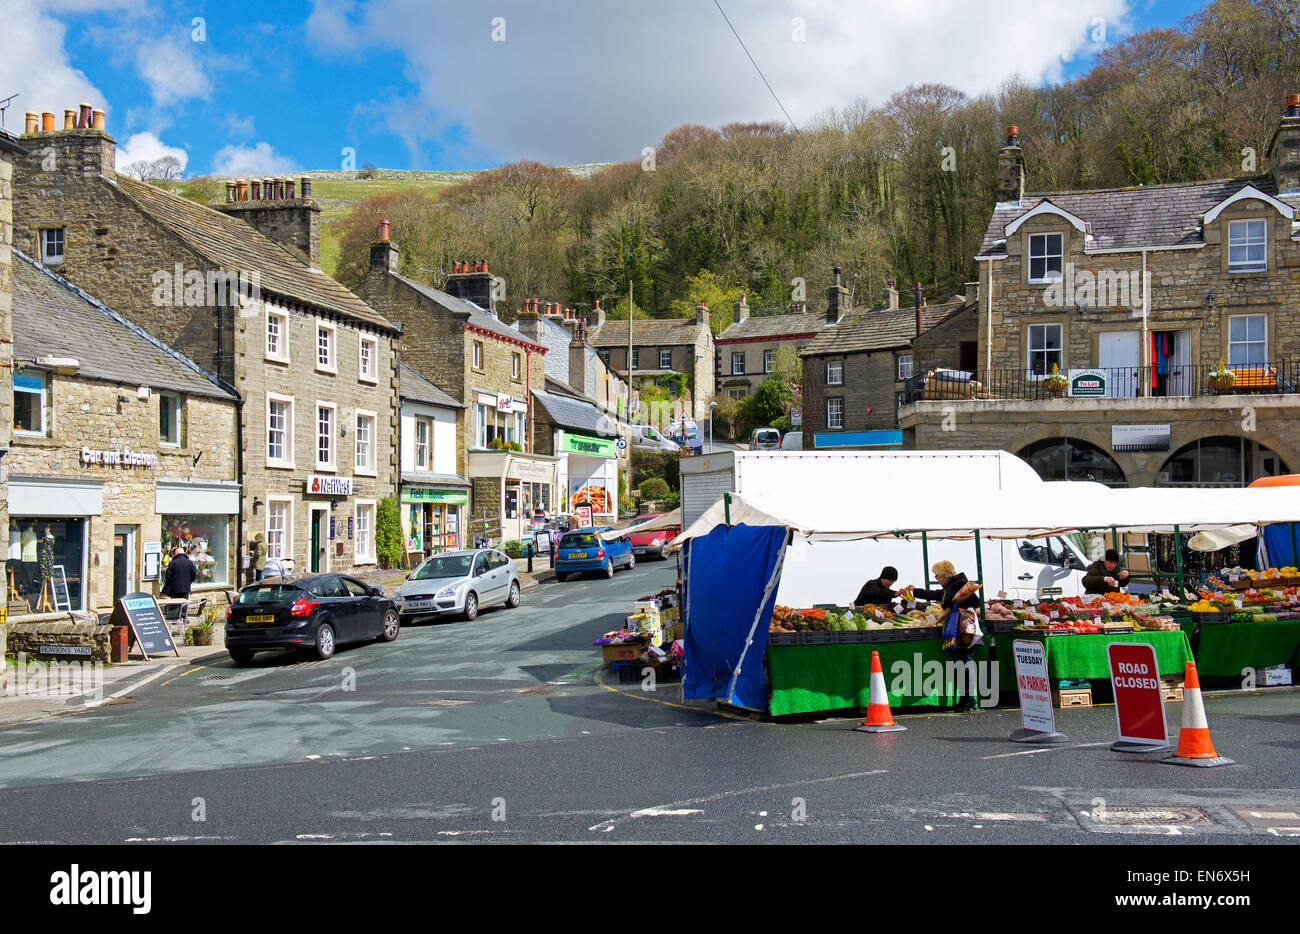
1034,687
1139,705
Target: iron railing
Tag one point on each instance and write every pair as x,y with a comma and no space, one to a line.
1172,381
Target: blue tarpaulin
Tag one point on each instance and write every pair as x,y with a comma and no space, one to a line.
1276,543
731,576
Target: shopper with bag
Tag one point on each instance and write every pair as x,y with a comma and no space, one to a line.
961,631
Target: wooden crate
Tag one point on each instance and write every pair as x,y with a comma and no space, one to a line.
1072,697
1171,688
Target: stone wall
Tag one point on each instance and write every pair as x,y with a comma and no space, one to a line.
870,381
27,638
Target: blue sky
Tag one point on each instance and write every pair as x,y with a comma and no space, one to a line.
242,87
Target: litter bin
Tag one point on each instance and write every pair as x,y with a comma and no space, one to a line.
118,643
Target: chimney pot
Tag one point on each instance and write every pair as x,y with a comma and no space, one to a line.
230,192
69,119
47,122
1013,136
1293,105
837,274
257,190
241,185
306,187
84,118
33,122
288,188
97,119
383,230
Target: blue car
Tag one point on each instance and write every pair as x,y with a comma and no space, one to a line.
584,550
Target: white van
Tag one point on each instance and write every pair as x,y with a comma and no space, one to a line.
649,437
792,441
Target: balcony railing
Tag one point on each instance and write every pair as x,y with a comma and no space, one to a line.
1172,381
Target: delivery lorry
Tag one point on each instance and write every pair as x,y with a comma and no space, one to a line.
833,572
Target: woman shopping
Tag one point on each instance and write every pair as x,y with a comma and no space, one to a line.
956,592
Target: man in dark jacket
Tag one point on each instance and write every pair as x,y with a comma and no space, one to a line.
180,576
877,590
1106,575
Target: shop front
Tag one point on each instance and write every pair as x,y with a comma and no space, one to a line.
432,519
49,543
200,519
588,474
509,488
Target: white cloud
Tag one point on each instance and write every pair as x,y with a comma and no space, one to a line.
171,70
36,65
600,80
145,147
251,160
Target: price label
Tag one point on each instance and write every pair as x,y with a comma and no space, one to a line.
879,615
1019,604
1239,604
911,604
1055,614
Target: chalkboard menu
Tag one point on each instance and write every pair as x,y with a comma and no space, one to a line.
140,611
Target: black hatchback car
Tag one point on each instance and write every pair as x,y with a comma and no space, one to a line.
316,613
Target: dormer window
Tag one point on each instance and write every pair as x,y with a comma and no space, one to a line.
1046,257
1247,246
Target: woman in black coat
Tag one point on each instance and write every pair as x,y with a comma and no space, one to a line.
950,582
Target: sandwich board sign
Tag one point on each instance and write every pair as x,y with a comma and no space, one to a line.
141,612
1036,717
1139,703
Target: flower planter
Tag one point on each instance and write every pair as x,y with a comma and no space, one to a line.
200,635
1222,383
1055,388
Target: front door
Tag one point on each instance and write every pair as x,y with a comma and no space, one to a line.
319,541
1119,353
123,561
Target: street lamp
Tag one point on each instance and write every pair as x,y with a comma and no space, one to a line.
712,406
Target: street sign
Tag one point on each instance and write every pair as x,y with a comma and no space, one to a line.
796,415
1036,717
622,443
1139,703
141,612
583,514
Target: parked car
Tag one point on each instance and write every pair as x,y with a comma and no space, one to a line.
792,441
316,613
648,437
653,542
689,439
764,439
457,583
584,550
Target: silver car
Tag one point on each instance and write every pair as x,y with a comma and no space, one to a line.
458,582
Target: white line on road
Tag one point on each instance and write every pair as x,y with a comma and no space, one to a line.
665,812
1034,752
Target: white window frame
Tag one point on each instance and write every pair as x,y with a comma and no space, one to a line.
44,405
332,349
905,373
286,547
287,461
427,425
636,357
281,316
834,419
476,355
368,374
368,556
834,372
1248,343
372,466
174,400
738,363
48,257
769,361
516,365
1045,256
1030,350
666,364
332,465
1246,242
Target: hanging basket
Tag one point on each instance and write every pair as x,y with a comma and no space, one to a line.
1222,383
1055,387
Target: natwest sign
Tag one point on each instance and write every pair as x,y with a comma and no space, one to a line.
318,485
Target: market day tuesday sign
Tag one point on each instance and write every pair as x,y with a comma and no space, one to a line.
1034,686
586,444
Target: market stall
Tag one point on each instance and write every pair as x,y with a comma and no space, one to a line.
733,558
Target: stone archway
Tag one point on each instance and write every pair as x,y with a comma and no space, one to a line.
1062,458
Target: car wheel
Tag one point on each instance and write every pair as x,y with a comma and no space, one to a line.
392,626
241,657
325,642
609,567
513,600
471,606
631,562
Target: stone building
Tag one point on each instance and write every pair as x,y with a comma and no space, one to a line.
571,359
488,366
585,442
122,450
239,291
749,349
855,371
434,496
1134,296
662,347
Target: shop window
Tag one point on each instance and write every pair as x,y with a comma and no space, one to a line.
1247,340
1072,459
1222,461
29,402
1247,246
423,431
1046,257
492,425
1044,349
365,462
169,419
205,539
369,367
279,528
52,247
38,549
364,538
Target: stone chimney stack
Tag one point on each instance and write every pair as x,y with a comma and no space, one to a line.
578,358
598,316
294,223
83,147
472,282
837,298
1284,148
889,300
740,311
702,314
1011,169
383,254
529,323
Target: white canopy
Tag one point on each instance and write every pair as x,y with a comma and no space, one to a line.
1032,511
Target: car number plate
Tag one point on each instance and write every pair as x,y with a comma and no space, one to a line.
260,618
577,554
419,604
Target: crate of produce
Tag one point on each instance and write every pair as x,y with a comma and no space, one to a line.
1211,618
1072,697
1116,628
619,653
1002,625
1272,677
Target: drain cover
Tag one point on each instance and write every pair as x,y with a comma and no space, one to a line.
1269,816
218,677
1151,816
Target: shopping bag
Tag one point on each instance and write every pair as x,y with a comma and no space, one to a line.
951,633
968,629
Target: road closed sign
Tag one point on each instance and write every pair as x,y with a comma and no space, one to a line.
1139,705
1033,685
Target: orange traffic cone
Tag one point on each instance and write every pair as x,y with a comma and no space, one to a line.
1194,744
879,719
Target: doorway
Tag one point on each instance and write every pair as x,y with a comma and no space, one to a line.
124,577
319,539
1119,354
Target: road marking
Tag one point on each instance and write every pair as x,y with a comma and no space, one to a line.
184,674
1034,752
995,816
665,812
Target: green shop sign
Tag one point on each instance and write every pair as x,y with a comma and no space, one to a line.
419,495
586,444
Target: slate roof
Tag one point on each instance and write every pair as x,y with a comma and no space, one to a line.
568,412
10,144
877,329
773,326
1131,218
413,386
54,318
647,331
476,315
236,246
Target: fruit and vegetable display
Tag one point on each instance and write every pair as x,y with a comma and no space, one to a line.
920,623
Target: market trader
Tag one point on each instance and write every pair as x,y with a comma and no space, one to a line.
878,590
1106,575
